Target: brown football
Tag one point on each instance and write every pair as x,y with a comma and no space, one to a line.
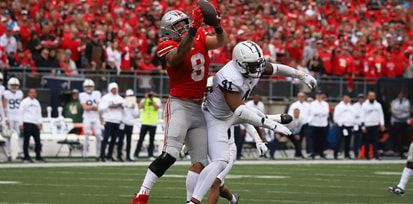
209,11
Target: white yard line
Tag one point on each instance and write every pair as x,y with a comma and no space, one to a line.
187,163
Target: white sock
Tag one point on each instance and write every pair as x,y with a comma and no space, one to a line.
405,177
233,200
148,182
207,177
191,179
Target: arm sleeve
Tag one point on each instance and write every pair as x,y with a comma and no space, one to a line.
22,108
39,113
381,115
286,71
103,105
336,115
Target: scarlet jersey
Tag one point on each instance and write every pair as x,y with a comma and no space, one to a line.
343,65
326,56
389,68
188,79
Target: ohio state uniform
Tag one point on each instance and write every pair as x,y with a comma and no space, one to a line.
188,79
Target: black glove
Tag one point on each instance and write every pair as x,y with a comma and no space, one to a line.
285,118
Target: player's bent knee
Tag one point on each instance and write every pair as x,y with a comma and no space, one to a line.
162,163
409,164
216,184
197,167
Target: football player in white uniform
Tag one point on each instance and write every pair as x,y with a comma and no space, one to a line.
11,103
89,99
225,106
407,171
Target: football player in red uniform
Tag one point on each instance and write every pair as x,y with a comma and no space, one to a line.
187,62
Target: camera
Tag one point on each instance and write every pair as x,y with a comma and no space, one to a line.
150,95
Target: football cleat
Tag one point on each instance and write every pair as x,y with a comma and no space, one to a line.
396,190
236,196
140,199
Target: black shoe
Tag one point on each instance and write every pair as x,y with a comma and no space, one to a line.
102,159
129,160
97,158
120,159
41,160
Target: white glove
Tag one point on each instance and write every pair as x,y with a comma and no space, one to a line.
282,129
261,148
309,81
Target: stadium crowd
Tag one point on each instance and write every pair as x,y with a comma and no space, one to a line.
351,38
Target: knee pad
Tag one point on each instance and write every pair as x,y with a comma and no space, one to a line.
161,164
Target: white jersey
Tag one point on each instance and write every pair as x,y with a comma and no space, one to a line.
230,79
13,104
2,90
357,112
304,108
90,99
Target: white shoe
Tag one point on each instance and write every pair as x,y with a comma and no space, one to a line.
151,158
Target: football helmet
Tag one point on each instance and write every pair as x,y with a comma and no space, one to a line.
168,22
248,58
88,83
13,81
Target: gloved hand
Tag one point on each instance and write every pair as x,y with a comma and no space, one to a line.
279,128
261,148
197,18
280,118
285,118
309,81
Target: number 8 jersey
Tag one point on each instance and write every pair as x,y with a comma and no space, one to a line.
13,100
188,79
229,78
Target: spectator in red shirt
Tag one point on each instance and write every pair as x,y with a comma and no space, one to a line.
146,66
327,58
389,66
294,49
401,62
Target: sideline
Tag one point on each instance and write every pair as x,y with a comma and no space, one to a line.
187,163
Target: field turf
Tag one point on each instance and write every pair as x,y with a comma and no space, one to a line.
256,182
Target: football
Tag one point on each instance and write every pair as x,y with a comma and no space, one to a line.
209,11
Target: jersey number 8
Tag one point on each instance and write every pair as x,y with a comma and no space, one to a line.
198,62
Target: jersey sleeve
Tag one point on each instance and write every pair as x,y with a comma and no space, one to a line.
165,47
82,98
228,82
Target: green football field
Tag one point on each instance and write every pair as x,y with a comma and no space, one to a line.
255,181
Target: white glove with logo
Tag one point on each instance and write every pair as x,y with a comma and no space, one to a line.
310,81
261,148
279,128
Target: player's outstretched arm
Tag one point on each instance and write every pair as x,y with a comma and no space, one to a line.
176,56
287,71
219,40
261,147
237,105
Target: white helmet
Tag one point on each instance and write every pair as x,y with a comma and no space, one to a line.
168,22
248,58
13,81
88,83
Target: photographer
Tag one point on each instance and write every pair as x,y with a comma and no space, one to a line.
149,119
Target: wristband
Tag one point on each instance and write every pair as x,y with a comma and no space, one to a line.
192,31
219,30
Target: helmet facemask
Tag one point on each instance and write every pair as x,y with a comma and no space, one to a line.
170,20
252,69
